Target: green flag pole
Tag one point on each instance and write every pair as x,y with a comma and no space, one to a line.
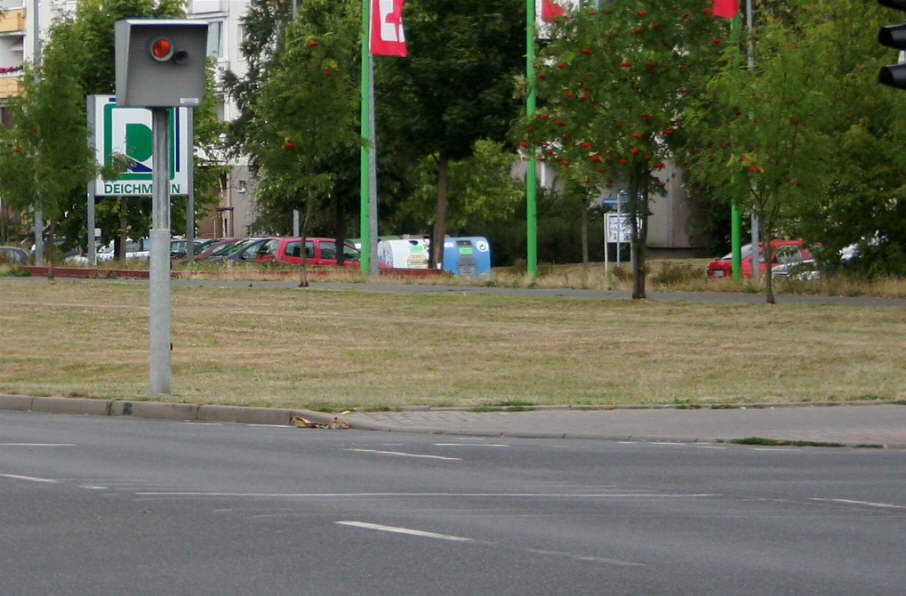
365,154
531,208
735,217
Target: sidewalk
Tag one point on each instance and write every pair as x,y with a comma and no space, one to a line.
845,424
865,424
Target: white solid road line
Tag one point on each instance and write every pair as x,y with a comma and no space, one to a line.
469,445
432,495
37,444
437,536
29,478
403,454
407,531
863,503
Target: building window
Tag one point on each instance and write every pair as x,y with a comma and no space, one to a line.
215,39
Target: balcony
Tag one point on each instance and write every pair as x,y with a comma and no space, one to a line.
12,21
10,85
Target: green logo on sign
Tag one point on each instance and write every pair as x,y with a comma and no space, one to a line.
123,135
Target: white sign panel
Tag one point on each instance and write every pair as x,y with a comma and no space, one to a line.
619,227
126,131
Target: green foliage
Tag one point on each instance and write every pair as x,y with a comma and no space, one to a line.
807,138
298,125
456,85
612,83
454,89
310,103
45,158
484,189
50,130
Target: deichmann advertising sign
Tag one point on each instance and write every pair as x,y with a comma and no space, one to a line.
126,131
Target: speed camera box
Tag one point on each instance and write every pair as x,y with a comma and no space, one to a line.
160,62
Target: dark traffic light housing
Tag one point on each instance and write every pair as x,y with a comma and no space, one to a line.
893,36
160,62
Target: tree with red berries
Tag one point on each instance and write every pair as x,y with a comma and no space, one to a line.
305,112
611,86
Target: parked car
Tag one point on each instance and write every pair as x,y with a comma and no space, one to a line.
13,254
783,252
179,247
135,250
215,249
318,251
243,251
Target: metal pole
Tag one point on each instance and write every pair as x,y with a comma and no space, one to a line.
190,182
735,216
756,257
619,224
92,243
36,60
372,178
159,277
606,246
296,219
531,206
365,131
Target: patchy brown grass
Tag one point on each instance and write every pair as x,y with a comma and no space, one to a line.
339,349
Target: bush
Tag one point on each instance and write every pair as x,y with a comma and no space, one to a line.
672,273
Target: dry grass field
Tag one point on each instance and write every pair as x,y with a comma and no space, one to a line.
340,349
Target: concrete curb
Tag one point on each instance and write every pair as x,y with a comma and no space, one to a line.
159,410
162,410
71,405
245,415
15,402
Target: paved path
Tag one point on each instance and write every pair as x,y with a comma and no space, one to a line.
876,424
850,424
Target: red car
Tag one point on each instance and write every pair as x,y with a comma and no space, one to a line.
782,252
318,251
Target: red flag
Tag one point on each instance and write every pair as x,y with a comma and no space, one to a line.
387,36
550,10
725,8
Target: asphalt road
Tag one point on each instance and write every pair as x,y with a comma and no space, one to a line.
99,505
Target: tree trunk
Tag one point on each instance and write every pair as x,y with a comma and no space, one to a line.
638,215
766,238
124,225
52,251
585,237
303,266
340,230
440,224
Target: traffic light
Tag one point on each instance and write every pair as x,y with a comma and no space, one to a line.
893,36
160,62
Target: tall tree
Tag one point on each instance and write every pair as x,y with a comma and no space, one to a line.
303,116
454,88
297,104
861,196
612,83
45,160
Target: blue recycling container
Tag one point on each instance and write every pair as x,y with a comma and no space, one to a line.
468,255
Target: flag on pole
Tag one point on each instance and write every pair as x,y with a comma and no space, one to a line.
387,36
550,10
725,8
